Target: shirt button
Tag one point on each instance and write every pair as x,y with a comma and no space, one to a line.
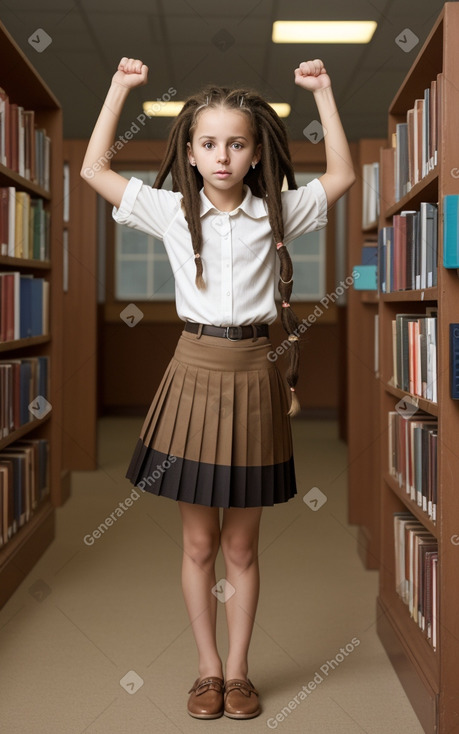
228,293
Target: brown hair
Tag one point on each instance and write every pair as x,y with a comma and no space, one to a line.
265,181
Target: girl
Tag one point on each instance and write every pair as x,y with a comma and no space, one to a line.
217,433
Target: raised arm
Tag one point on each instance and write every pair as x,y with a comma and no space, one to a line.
339,175
96,169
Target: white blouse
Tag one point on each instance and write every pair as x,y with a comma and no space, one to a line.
240,262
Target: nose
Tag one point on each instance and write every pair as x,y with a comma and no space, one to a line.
222,154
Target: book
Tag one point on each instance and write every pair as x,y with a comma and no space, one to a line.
416,556
24,484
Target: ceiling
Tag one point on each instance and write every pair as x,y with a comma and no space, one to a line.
187,43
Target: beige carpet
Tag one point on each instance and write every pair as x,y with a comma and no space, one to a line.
90,616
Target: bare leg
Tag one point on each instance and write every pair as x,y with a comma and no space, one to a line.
201,540
239,541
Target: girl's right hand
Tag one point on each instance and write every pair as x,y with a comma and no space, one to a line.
130,73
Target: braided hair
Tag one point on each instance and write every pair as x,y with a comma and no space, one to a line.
265,181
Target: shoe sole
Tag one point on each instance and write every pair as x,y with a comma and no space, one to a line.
206,716
242,716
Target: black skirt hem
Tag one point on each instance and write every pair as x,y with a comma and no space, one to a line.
211,485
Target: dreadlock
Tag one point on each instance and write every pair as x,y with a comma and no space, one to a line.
265,181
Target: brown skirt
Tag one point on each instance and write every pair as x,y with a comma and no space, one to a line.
217,432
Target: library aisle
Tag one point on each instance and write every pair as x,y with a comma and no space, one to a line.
95,611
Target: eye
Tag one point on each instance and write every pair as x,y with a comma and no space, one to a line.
238,146
208,145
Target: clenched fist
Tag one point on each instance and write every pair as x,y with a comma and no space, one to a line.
130,73
312,75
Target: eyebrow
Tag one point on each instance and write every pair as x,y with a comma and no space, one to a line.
212,137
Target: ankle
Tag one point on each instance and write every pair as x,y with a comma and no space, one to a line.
239,671
211,669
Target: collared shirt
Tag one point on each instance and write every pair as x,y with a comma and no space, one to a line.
240,262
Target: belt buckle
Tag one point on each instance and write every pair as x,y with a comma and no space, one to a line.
238,331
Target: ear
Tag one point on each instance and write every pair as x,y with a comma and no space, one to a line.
257,154
190,154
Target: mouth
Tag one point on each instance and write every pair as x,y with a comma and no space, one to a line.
222,173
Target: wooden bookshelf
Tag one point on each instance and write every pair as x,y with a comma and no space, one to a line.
428,676
362,383
79,447
24,87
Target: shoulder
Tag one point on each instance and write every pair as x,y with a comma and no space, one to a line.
148,209
313,190
304,209
138,192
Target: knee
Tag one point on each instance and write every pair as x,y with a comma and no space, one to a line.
202,549
239,551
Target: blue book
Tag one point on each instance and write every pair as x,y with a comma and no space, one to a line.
25,306
37,307
450,231
24,392
369,255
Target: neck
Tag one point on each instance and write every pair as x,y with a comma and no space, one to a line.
225,201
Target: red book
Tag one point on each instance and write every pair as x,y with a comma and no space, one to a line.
5,153
4,224
8,280
14,129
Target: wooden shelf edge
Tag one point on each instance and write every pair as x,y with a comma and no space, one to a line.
422,403
7,174
423,294
421,652
410,505
23,430
24,262
422,695
420,189
20,554
27,530
23,343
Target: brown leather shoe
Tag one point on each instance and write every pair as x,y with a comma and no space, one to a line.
241,699
206,700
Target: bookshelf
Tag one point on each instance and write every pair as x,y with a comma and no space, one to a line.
427,673
81,282
25,88
362,383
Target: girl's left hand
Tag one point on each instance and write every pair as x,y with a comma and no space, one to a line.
312,75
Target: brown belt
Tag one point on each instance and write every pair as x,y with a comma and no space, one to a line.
233,333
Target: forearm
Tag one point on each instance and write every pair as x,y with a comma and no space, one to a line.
339,161
104,132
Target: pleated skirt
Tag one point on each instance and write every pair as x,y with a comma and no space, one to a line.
217,431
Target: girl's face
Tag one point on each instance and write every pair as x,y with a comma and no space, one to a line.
223,149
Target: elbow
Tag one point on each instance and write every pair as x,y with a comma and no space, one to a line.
352,179
349,176
87,173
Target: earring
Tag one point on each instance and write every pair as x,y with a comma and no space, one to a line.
253,165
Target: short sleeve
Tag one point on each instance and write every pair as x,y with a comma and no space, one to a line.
304,209
150,210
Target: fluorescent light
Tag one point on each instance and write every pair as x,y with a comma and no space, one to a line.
323,31
171,109
282,108
159,108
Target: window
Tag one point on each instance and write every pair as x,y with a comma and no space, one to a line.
143,272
